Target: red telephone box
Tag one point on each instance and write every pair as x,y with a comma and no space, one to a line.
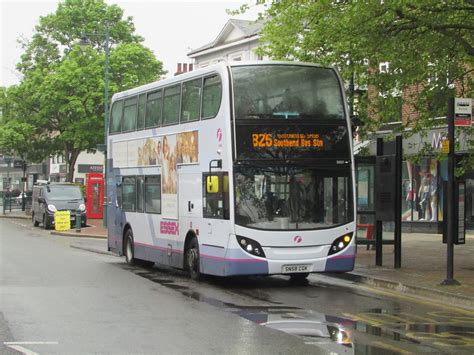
95,195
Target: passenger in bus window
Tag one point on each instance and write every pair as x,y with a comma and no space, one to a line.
289,103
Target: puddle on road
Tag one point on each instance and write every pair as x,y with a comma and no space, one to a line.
372,331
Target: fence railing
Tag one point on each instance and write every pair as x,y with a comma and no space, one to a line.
15,204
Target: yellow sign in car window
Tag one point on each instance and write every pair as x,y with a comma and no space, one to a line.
62,220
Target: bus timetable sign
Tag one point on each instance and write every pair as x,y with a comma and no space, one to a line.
462,112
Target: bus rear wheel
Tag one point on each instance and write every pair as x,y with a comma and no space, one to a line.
192,259
130,252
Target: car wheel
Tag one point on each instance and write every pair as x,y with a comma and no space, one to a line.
192,259
45,222
35,222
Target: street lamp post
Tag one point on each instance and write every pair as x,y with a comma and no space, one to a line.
103,147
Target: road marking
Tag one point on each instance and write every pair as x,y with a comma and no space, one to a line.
22,350
17,345
31,343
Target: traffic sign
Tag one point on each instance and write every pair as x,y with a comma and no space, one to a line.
462,111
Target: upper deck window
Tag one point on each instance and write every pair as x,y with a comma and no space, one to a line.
116,117
286,91
153,109
211,96
129,115
171,104
191,103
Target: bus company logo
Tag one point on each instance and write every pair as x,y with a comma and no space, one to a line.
170,228
297,239
219,135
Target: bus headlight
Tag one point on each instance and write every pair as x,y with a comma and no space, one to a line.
52,208
339,336
340,243
250,246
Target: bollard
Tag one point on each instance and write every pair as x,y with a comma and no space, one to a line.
78,220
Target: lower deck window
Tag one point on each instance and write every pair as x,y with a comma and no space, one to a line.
129,193
153,194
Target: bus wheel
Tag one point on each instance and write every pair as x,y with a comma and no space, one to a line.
45,222
129,256
130,252
35,222
192,259
300,277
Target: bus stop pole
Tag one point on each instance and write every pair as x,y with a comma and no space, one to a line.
378,224
398,203
450,201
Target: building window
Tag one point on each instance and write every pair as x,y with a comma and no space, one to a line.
383,67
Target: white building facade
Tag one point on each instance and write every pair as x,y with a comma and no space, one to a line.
237,41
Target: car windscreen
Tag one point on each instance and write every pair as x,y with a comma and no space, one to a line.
63,192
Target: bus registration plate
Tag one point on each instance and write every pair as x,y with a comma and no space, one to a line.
295,268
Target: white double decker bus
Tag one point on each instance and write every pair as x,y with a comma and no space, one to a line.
234,169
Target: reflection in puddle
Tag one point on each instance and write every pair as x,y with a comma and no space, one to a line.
374,331
314,328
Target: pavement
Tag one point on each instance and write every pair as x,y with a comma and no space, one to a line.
423,264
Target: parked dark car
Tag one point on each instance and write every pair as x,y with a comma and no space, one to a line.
49,198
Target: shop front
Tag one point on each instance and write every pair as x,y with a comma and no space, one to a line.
422,183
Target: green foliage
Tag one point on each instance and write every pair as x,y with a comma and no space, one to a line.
428,44
59,106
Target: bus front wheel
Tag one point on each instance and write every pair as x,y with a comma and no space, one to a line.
192,259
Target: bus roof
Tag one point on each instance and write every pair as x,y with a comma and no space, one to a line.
214,68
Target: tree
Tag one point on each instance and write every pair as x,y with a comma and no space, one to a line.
62,93
428,44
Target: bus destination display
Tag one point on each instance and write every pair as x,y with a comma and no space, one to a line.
304,141
287,140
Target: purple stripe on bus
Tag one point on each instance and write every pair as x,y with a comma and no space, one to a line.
158,248
233,260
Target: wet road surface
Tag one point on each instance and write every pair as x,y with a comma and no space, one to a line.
340,318
91,302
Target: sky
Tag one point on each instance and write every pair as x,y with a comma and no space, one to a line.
171,28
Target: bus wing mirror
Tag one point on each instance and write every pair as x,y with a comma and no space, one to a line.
212,184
